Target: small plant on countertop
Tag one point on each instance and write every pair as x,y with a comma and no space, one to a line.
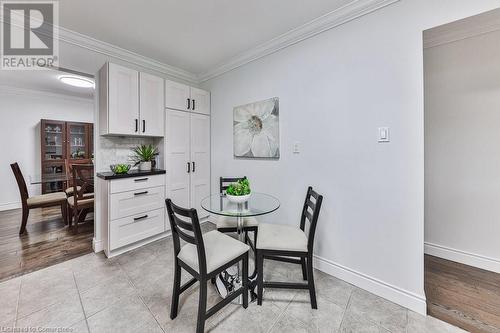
242,187
144,153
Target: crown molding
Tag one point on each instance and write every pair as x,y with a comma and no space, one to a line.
462,29
40,93
77,39
349,12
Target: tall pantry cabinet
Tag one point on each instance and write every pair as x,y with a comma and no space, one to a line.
187,145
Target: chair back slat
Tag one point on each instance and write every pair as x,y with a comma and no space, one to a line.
82,176
225,182
311,216
311,204
179,227
184,236
183,224
21,183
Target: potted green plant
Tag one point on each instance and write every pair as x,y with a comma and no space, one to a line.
239,192
143,155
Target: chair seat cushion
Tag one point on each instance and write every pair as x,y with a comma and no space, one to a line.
70,190
281,237
47,199
88,198
231,222
219,250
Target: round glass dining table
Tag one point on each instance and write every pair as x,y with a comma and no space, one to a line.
258,204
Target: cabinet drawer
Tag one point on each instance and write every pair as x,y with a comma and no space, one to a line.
136,202
136,183
134,228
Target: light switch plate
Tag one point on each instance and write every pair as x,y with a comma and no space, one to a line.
383,134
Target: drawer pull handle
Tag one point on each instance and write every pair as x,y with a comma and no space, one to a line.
140,218
140,179
141,193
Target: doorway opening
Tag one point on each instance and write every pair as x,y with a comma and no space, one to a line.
47,128
462,172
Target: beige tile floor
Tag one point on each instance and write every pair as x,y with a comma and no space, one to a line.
131,293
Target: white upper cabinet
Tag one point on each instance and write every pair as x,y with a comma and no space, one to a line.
179,96
123,100
130,103
151,107
200,100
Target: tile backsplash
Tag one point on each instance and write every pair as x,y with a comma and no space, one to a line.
115,150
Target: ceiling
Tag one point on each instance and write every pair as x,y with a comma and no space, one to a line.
193,35
43,80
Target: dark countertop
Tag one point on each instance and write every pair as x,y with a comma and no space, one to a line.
132,173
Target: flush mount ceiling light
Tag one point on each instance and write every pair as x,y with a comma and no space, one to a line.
77,81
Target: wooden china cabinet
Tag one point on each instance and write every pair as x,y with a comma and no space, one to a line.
61,140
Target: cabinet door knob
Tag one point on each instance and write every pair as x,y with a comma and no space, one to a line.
189,103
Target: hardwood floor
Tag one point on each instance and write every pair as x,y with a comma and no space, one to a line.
462,295
46,242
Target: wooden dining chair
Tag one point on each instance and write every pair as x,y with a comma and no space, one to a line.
227,224
290,244
69,190
37,201
204,256
82,201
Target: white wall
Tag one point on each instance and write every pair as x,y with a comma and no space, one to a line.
335,89
21,111
462,151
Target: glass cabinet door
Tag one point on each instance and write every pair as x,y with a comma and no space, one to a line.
77,138
53,140
52,173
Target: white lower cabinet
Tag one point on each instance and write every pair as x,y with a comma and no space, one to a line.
130,229
133,211
136,202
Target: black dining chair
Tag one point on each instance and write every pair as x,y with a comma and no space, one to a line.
227,224
290,244
204,256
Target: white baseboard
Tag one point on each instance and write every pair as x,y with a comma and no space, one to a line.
463,257
10,205
97,245
380,288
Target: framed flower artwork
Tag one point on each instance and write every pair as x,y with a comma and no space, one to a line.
256,129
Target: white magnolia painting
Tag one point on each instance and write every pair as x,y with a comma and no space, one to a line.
256,129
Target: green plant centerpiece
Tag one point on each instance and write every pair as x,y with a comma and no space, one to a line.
239,192
143,155
120,169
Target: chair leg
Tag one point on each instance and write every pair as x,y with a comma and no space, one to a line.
75,219
64,213
260,276
310,280
202,307
255,238
245,281
176,290
304,268
24,220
